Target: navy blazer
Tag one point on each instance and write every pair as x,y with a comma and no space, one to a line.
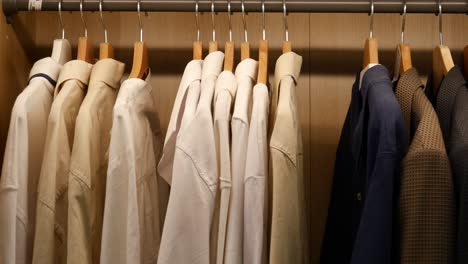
362,216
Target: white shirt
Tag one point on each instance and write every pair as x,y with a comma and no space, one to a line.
226,87
246,72
186,234
190,82
22,163
255,183
132,214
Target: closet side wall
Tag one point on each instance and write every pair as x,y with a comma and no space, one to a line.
330,44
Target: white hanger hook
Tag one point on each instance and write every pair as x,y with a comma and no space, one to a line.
441,35
263,21
403,23
285,17
102,21
213,20
371,31
60,18
139,20
83,20
244,21
197,19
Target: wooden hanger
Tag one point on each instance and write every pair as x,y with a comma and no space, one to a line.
85,45
245,50
442,63
229,56
85,50
197,45
371,52
213,46
245,46
263,62
140,61
140,65
106,51
404,52
287,47
465,61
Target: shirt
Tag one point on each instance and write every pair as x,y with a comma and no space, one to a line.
89,160
246,72
22,163
190,81
427,204
362,214
255,181
288,241
226,87
186,234
132,215
451,105
52,202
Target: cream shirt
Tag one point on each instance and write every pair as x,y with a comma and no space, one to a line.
22,163
226,87
186,234
132,215
187,94
89,160
288,241
246,73
52,202
255,181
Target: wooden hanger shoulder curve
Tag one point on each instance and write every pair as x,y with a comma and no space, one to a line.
140,61
371,52
106,51
85,50
229,56
263,62
442,63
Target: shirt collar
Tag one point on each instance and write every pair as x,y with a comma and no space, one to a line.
226,82
445,98
108,71
247,67
192,72
407,85
377,73
75,70
288,64
46,66
213,64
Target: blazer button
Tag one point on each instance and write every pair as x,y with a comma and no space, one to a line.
359,196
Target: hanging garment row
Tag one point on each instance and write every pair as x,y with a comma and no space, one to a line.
88,178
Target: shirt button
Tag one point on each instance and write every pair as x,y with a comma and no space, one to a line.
359,196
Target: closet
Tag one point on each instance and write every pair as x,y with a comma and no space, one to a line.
331,45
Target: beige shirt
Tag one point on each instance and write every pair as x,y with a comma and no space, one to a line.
226,87
88,165
132,215
186,234
22,163
52,202
246,73
255,182
187,94
288,241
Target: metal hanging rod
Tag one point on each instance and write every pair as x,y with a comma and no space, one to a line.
11,7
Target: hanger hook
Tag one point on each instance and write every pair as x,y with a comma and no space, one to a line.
83,20
403,23
140,24
441,35
60,18
285,17
102,21
263,21
213,20
230,22
371,31
197,19
246,37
